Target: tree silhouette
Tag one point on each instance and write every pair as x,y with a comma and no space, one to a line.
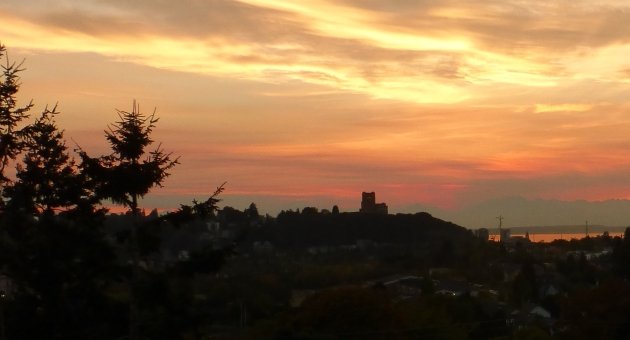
252,212
130,171
47,179
126,175
60,263
11,115
66,278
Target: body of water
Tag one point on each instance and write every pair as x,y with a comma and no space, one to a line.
548,237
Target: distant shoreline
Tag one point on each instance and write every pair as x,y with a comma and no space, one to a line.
549,237
568,229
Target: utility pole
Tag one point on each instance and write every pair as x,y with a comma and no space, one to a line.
586,229
500,218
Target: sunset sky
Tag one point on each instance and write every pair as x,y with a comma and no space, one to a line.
441,103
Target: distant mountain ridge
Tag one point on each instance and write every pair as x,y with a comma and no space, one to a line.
520,212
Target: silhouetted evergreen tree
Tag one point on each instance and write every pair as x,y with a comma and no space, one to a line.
59,264
67,281
11,115
128,174
186,213
47,179
130,171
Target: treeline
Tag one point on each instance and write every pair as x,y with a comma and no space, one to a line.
61,275
310,228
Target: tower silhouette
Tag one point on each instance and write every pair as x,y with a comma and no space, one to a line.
369,205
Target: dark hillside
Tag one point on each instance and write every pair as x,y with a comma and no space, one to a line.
294,229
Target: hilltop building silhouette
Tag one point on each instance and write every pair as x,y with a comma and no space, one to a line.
369,205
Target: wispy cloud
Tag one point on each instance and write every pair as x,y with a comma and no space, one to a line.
423,52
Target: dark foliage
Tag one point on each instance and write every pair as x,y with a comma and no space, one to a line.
11,115
63,276
130,171
47,180
61,272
